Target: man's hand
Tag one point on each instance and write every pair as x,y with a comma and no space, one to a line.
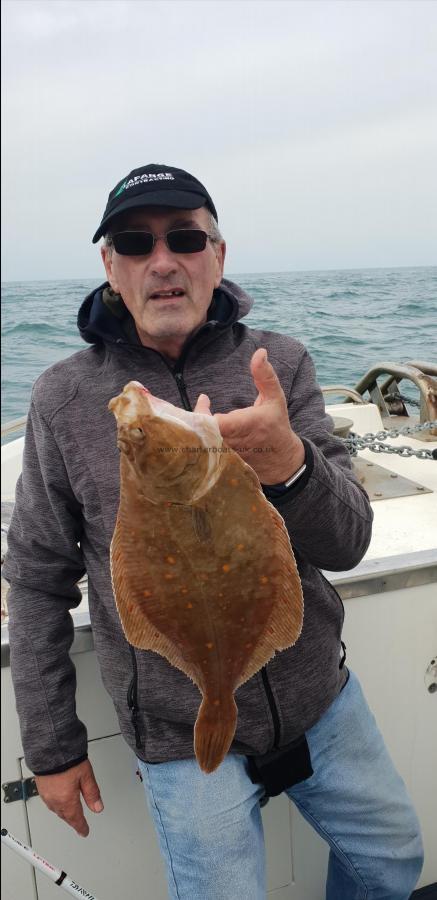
61,793
261,434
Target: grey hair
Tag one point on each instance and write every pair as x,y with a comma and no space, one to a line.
214,230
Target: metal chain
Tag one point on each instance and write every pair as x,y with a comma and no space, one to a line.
399,396
398,432
374,442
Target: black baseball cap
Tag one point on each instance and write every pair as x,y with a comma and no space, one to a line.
155,185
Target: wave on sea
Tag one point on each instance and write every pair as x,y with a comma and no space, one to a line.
348,319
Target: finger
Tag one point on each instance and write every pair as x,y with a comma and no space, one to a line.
90,792
203,405
237,424
81,826
265,378
73,816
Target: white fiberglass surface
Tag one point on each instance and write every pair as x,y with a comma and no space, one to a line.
401,524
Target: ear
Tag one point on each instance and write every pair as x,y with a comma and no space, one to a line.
220,251
107,257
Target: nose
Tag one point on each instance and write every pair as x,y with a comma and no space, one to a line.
161,259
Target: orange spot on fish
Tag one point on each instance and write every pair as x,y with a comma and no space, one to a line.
189,606
216,703
184,590
147,593
240,546
253,508
169,576
226,567
264,579
209,645
233,481
171,560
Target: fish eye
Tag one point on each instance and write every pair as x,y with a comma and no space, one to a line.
137,432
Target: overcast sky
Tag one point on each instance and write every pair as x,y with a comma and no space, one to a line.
312,124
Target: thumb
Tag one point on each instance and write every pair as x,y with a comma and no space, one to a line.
90,791
203,405
265,377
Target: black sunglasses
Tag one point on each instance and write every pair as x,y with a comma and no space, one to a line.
141,243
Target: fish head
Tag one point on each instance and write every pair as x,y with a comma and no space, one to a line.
172,454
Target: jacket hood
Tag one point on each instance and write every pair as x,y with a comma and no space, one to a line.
104,318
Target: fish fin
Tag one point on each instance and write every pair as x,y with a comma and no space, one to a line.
201,524
132,610
285,622
214,731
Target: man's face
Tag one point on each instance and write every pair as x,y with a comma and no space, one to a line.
165,322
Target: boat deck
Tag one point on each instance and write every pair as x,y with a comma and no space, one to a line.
404,524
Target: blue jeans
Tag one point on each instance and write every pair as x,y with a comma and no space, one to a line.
210,830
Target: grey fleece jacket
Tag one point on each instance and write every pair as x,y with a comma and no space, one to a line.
64,517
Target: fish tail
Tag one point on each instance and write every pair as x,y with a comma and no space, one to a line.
213,732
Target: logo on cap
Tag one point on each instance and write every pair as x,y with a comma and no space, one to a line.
144,179
121,188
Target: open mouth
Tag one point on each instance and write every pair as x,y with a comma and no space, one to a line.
167,295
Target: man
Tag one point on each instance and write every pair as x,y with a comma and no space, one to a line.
167,318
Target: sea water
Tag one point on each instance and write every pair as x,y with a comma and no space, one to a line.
348,319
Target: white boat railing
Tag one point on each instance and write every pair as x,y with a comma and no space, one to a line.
13,425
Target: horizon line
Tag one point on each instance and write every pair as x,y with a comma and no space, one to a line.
238,274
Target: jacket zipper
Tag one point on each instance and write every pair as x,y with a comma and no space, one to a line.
179,378
132,700
335,592
273,708
343,645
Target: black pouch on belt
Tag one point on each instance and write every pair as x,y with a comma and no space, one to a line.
281,769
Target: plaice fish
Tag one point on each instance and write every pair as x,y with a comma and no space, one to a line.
202,567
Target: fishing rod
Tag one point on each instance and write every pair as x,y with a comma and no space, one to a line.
57,875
